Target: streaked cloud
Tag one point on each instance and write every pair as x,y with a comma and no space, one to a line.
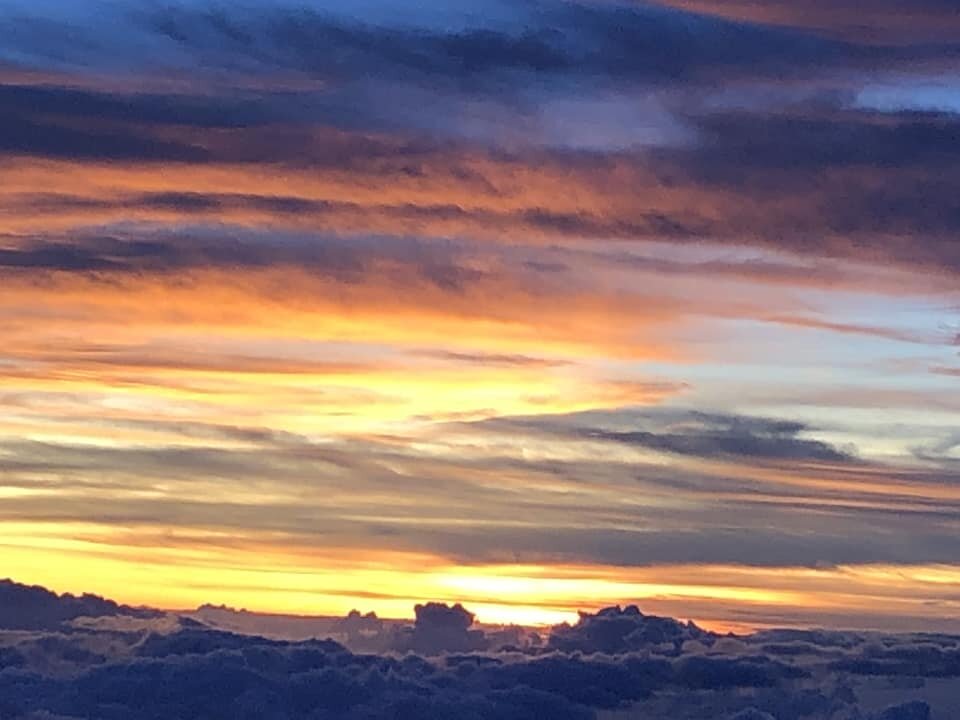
576,295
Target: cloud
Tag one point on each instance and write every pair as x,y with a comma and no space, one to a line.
705,673
137,108
440,628
825,137
25,136
890,22
201,672
928,661
771,181
751,714
513,75
914,710
811,504
25,607
492,359
616,630
616,40
693,433
807,171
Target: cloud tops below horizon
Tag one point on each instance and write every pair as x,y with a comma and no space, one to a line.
616,663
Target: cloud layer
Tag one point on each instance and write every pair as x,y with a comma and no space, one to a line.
616,661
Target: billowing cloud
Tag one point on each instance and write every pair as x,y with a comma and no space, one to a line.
36,608
195,670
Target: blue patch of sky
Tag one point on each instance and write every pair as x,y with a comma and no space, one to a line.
933,95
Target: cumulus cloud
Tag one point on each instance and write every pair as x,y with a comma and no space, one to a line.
619,630
441,628
600,664
24,607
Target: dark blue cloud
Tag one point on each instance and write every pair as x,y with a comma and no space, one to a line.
441,628
616,630
709,673
28,136
444,265
914,710
25,607
604,41
200,111
927,661
689,97
201,673
318,64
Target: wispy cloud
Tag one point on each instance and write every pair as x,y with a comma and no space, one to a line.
613,286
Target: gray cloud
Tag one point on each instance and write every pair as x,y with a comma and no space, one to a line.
452,505
694,433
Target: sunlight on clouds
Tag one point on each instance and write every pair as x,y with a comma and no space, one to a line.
266,343
187,570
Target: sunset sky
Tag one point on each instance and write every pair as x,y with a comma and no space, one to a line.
535,306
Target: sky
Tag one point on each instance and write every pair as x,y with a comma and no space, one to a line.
536,306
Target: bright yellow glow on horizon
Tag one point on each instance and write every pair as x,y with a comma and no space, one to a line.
84,558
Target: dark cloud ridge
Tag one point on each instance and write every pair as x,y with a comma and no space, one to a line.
617,658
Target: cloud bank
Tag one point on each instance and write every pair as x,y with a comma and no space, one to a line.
620,660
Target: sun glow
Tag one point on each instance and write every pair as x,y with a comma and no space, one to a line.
186,571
